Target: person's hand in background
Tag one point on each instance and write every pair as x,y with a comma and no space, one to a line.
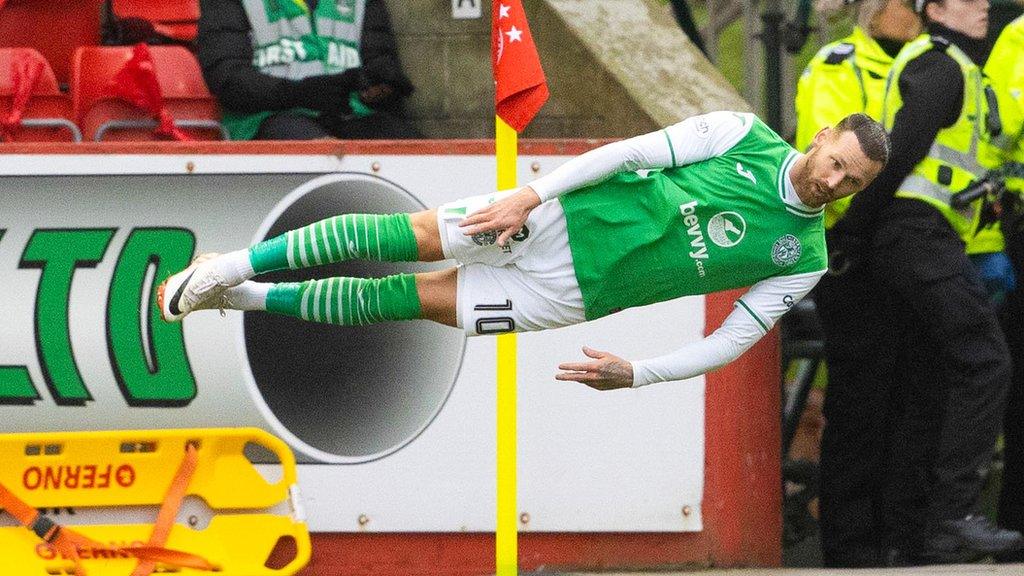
328,92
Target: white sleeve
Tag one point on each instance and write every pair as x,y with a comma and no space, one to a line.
754,315
692,140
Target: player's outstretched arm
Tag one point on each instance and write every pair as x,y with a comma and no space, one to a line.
606,372
695,139
755,314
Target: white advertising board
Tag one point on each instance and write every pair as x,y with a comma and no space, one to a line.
393,425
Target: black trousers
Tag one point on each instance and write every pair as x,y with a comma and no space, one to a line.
377,126
1011,497
938,290
912,421
861,409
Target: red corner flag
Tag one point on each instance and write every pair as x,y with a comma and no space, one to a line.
519,85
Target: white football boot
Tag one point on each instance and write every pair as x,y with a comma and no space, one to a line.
198,287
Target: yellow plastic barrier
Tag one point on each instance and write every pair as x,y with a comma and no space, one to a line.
109,487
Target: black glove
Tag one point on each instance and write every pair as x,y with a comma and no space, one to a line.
386,71
327,93
1012,223
846,250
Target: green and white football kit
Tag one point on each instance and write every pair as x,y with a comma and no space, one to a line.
702,206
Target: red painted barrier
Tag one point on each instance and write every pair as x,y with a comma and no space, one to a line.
743,451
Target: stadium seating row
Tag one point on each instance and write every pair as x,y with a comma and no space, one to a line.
72,78
57,29
93,105
177,19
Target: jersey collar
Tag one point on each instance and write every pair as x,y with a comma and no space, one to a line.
788,193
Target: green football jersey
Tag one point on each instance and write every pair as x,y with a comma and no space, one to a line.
724,222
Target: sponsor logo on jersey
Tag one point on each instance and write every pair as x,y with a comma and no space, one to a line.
786,250
745,173
727,229
788,301
699,250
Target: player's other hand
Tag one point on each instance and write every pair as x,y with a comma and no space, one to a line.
606,372
506,216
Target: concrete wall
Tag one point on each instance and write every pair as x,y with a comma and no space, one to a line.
615,68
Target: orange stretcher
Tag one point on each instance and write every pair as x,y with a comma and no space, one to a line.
131,503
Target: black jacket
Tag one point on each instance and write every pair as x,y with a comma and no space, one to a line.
932,87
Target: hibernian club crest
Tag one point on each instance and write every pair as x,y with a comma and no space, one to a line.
786,250
485,238
488,238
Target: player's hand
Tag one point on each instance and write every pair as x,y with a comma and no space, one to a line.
606,372
505,216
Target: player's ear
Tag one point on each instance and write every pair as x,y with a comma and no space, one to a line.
822,135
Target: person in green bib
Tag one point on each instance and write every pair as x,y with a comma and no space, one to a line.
715,202
304,69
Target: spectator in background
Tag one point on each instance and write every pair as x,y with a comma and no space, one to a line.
848,75
300,70
859,523
907,236
1001,13
684,17
130,30
1005,67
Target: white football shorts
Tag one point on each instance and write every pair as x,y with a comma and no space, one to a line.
530,284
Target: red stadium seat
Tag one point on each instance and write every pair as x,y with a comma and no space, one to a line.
55,29
175,18
47,115
104,117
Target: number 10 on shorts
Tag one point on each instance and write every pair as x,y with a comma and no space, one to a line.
495,324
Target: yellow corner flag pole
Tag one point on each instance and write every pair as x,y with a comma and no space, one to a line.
506,537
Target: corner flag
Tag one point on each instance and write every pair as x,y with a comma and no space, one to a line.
519,91
520,88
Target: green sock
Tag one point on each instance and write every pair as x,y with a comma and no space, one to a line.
382,237
348,301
